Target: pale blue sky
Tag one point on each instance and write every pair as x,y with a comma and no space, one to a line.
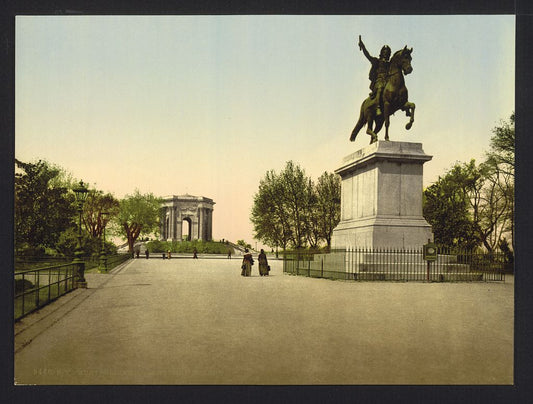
206,105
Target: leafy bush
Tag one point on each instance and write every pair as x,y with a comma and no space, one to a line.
32,252
187,247
157,246
66,246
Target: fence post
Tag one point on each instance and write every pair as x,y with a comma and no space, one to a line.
37,291
23,292
348,266
49,281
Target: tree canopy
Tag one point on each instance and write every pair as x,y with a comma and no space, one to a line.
501,160
473,204
447,207
502,145
328,205
289,210
139,214
98,210
43,205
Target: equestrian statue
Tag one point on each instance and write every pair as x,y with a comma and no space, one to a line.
388,94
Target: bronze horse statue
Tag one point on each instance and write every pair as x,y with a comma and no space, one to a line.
394,98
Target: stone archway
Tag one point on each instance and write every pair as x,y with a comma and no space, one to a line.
186,229
196,211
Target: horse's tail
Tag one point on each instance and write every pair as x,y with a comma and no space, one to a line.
360,123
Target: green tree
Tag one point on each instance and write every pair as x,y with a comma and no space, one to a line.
501,158
491,204
313,219
43,205
281,210
243,244
271,224
447,208
139,214
290,210
502,145
328,205
297,192
96,204
473,205
489,188
66,244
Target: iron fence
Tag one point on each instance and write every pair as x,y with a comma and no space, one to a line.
360,264
26,263
35,288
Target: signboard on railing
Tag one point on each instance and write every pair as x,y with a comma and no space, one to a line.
430,252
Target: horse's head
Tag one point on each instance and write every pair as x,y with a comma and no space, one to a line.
402,60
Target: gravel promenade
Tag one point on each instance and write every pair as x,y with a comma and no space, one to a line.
185,321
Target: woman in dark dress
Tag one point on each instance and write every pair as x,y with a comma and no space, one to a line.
247,263
263,263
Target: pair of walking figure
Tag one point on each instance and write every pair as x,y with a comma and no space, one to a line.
248,261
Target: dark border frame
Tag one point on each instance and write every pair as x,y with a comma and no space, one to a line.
520,392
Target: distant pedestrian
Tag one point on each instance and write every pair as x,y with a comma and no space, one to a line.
169,255
229,254
137,252
263,263
147,253
195,254
247,263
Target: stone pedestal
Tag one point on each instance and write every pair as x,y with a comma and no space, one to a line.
381,199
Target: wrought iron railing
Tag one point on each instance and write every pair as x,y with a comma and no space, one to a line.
35,288
451,265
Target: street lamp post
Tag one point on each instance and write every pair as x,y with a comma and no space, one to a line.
81,192
103,257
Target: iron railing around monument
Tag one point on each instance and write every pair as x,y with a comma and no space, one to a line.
362,264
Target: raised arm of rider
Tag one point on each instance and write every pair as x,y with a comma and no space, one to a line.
363,48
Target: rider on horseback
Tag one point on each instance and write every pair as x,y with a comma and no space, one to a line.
378,72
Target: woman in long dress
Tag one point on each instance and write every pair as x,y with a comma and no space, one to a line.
247,263
263,263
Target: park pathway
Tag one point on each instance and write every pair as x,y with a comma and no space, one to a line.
185,321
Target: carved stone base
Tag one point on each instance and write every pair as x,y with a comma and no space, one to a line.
381,198
382,232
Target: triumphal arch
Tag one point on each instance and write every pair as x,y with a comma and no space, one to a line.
187,217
